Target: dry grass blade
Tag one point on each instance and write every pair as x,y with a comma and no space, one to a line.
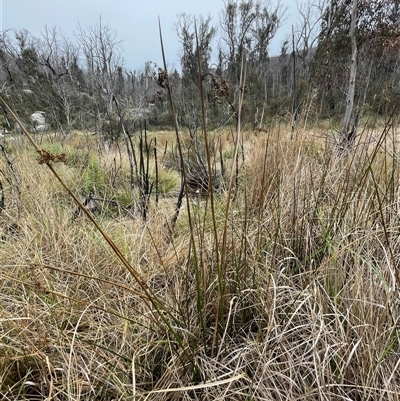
197,387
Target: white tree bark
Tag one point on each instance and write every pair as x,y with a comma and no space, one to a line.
348,136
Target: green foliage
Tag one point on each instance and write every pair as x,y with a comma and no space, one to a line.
185,30
168,180
92,177
124,198
161,119
77,158
29,61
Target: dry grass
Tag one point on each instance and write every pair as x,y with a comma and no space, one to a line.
308,308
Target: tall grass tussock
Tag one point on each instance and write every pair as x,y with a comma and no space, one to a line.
280,284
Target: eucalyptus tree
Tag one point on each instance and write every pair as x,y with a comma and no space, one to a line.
357,46
59,86
186,28
307,30
247,28
21,69
42,74
102,55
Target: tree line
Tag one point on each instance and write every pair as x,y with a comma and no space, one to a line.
341,61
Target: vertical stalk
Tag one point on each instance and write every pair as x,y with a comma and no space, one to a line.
207,148
156,169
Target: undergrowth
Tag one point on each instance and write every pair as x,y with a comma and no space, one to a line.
310,297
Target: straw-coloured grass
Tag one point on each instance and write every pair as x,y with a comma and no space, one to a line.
308,308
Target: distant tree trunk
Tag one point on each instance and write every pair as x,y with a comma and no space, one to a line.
294,104
348,135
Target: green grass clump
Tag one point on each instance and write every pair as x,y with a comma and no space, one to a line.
168,181
92,177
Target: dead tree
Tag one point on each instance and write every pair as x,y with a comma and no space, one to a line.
347,134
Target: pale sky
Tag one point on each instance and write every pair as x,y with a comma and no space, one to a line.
134,21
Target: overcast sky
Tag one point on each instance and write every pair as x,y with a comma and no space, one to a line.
134,21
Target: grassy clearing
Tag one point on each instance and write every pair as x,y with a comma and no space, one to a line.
299,301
